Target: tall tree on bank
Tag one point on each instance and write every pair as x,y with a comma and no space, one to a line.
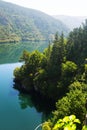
57,56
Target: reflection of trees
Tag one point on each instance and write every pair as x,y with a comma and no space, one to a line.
25,101
36,100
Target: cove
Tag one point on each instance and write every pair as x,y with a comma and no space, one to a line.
16,110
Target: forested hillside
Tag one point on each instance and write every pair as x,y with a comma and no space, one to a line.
19,23
59,74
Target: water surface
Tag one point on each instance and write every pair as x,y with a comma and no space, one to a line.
19,111
14,112
11,52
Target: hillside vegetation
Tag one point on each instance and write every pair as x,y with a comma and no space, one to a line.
19,23
59,73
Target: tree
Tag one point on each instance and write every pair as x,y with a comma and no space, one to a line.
72,103
69,71
57,57
25,56
77,45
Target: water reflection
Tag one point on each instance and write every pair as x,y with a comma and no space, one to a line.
14,51
25,101
41,104
17,111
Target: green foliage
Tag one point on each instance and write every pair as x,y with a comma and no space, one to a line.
46,126
17,72
85,73
45,72
68,67
67,123
50,72
73,102
47,52
77,45
25,56
84,127
56,57
69,70
58,74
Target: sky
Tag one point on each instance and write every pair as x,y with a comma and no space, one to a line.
56,7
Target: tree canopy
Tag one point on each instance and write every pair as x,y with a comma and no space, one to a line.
59,73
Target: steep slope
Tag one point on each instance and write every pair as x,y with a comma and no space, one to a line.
19,23
71,21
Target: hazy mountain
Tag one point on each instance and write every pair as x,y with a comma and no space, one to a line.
71,21
19,23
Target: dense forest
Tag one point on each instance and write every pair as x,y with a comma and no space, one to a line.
59,73
23,24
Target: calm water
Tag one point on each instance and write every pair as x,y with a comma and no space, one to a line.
11,52
16,110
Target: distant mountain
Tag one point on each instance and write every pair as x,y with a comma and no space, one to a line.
71,21
19,23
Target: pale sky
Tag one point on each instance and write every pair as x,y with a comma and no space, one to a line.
56,7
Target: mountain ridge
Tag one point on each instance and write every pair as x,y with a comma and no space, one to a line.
71,21
18,23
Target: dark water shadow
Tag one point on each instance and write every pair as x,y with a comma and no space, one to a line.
40,103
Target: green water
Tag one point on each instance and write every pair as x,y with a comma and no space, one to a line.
15,112
10,52
19,111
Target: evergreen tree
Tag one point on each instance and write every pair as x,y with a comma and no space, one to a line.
77,45
57,56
